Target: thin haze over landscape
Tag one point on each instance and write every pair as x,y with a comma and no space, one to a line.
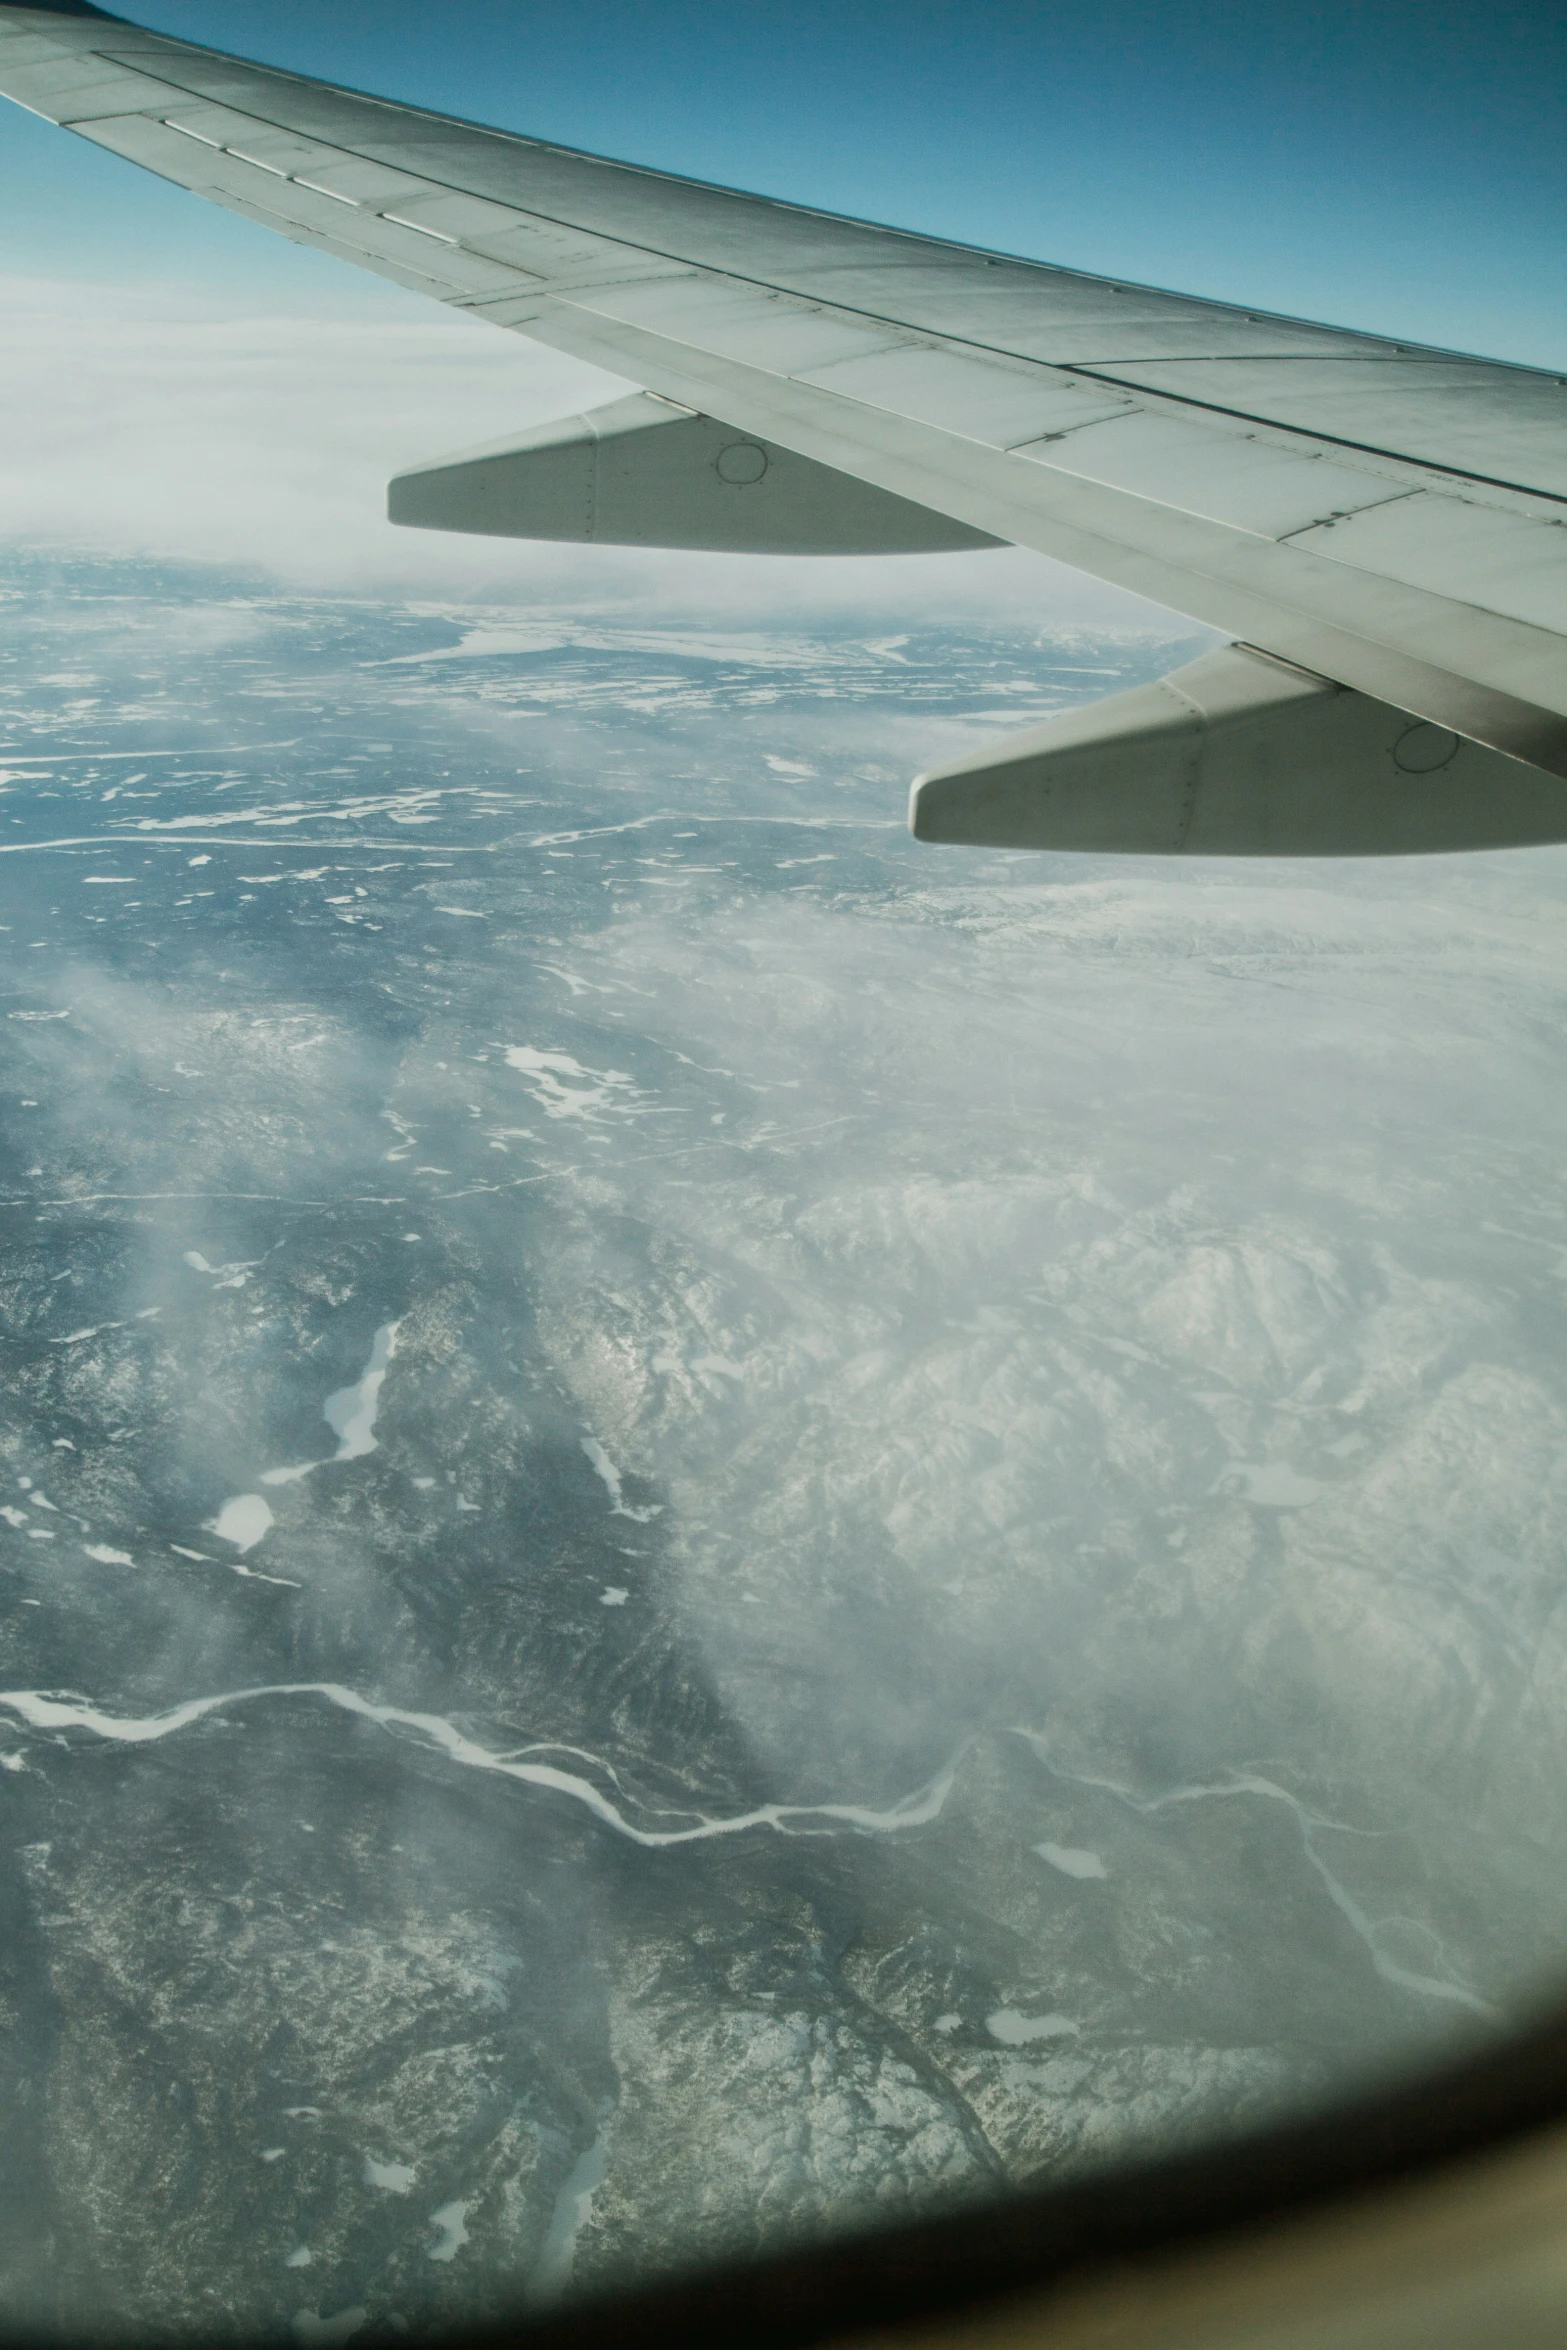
718,1528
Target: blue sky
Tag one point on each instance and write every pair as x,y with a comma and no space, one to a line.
1395,167
174,381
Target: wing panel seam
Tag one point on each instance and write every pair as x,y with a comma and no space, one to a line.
1141,393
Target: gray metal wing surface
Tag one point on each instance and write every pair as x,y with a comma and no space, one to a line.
1379,521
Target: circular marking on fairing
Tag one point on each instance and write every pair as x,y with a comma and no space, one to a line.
741,462
1423,748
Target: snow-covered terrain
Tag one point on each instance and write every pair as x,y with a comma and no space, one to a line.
715,1527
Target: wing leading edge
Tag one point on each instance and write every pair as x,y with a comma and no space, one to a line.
1385,521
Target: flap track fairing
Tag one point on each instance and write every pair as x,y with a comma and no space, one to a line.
1240,755
644,473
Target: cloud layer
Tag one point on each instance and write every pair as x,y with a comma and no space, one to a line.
155,422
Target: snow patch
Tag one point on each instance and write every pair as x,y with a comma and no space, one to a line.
573,2209
1015,2030
242,1521
1072,1861
609,1476
1270,1485
563,1088
451,2235
350,1412
394,2178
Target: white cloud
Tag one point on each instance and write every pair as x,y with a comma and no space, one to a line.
153,421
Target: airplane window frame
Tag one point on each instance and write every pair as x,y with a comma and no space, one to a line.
1029,2247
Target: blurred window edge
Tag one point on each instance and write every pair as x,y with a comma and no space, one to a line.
1431,2213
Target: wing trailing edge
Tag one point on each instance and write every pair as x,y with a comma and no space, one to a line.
1239,755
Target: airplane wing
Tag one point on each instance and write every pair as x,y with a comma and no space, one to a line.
1382,526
